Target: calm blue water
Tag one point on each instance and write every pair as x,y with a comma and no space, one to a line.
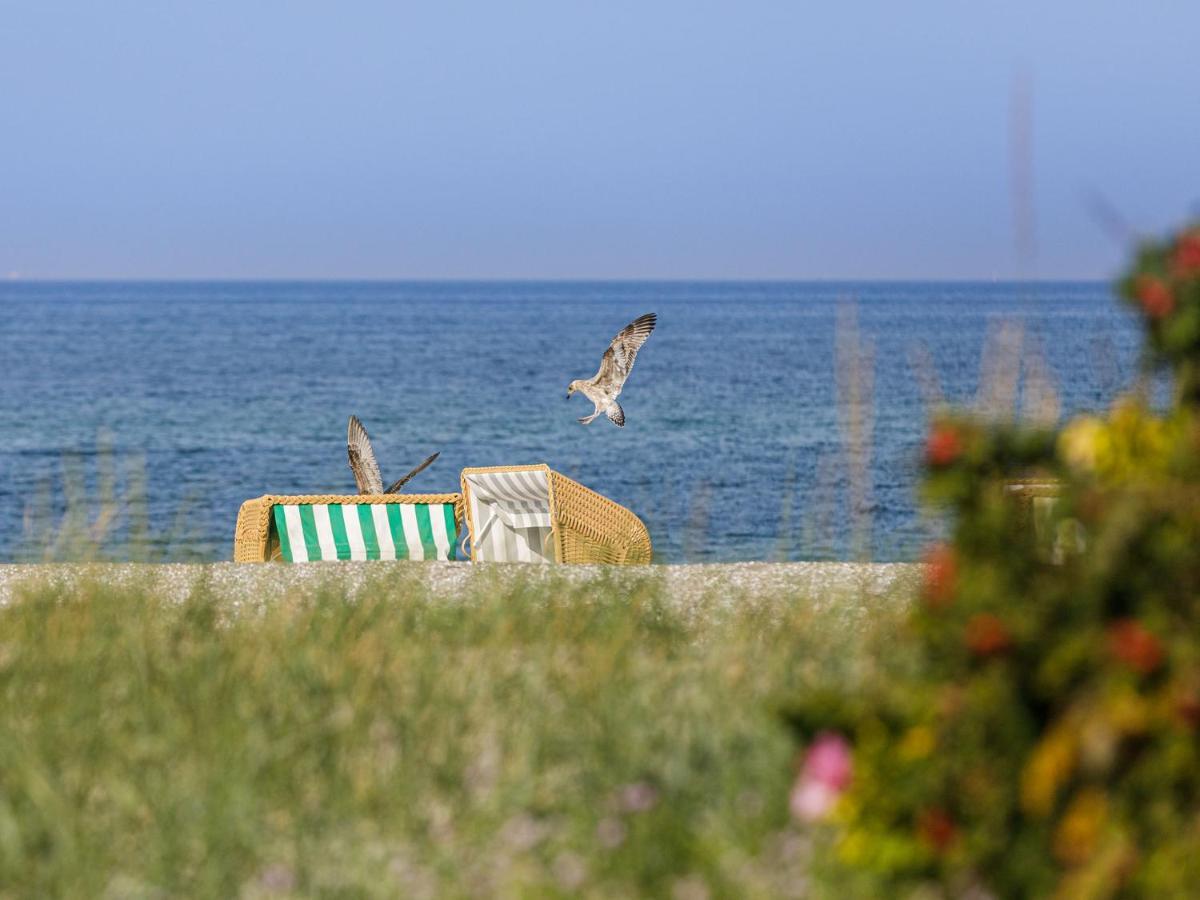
732,449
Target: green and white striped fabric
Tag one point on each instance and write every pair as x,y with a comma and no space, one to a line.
316,531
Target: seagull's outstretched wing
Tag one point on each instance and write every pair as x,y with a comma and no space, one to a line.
618,358
395,487
362,459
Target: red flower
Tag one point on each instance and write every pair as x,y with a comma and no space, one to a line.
987,635
1187,709
936,828
1154,295
1185,262
943,446
1133,645
941,575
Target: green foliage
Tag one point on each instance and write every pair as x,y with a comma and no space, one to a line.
1048,742
529,737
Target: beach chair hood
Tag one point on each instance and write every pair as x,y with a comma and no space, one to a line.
512,514
534,514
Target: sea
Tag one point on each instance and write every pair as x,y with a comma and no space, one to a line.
764,421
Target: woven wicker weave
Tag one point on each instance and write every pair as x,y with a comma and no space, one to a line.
1036,498
1029,489
254,539
588,527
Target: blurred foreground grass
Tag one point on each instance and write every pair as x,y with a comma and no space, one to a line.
543,738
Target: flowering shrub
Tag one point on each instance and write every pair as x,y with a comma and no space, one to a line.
1165,285
1048,742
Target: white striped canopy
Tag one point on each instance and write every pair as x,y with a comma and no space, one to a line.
320,531
510,516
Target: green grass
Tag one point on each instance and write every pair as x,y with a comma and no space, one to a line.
531,740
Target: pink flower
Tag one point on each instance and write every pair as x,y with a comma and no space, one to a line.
638,797
824,775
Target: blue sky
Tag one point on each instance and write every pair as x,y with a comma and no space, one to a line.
279,138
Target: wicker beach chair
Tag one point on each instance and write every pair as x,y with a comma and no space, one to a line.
356,526
1037,498
534,514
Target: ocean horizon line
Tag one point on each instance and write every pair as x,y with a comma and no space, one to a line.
551,281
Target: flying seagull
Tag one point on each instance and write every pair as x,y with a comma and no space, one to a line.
615,366
366,469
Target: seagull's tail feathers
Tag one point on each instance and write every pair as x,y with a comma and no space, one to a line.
615,414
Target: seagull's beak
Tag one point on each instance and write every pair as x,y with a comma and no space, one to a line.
568,395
